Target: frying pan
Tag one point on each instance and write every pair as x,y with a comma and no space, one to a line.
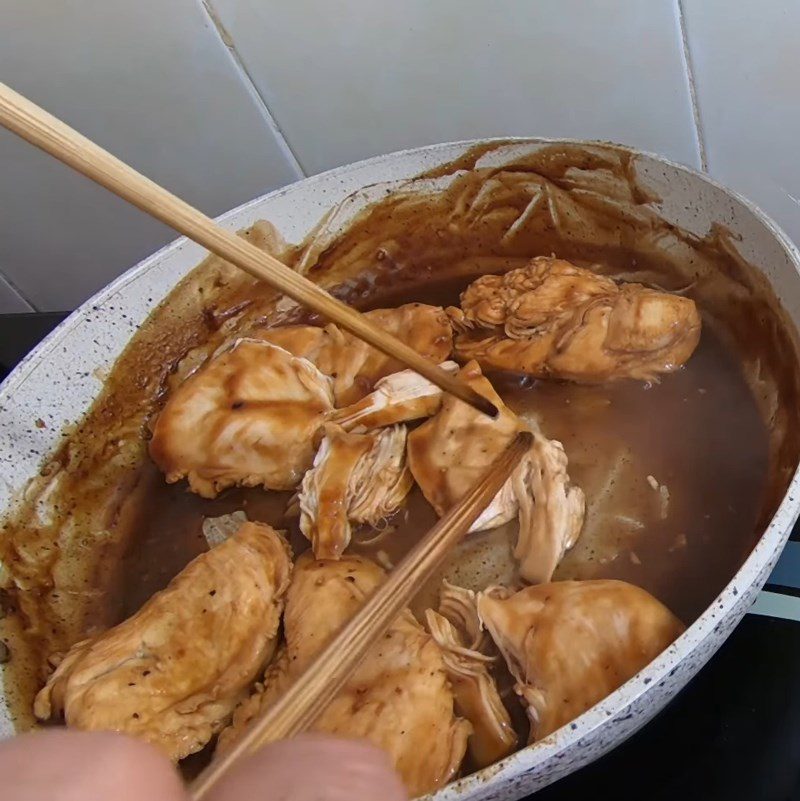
59,380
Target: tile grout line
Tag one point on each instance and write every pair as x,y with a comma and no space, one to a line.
689,67
20,294
241,69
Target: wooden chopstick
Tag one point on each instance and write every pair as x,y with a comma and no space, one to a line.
308,696
45,131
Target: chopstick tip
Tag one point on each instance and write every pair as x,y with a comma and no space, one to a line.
525,438
487,407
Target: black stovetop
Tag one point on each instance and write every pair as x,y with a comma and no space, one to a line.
733,733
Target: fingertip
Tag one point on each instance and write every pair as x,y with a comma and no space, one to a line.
66,765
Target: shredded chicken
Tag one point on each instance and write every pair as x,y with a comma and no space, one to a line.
460,607
173,673
398,398
360,478
551,510
553,319
450,452
571,643
399,698
353,365
250,416
459,633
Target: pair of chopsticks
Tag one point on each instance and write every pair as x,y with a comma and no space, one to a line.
308,696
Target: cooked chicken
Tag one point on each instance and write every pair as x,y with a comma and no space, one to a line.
398,398
399,698
353,365
173,673
459,633
448,453
250,416
460,606
276,680
571,643
360,478
551,510
553,319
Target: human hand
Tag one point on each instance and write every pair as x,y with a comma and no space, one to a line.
61,765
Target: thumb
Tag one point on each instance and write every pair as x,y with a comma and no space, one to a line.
313,767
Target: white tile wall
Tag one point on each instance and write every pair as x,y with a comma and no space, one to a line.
222,100
746,63
152,81
355,78
11,301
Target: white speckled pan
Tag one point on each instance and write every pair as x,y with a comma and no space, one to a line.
57,383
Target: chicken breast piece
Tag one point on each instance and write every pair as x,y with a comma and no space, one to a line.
276,680
354,366
398,398
571,643
553,319
450,452
399,699
359,478
173,673
250,416
457,630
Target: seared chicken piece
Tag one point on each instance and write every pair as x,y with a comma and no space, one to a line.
553,319
276,680
360,478
353,365
571,643
173,673
398,398
448,453
551,510
250,416
459,633
399,699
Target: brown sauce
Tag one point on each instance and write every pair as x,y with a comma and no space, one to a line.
697,432
720,437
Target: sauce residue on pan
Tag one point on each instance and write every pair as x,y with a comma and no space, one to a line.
680,476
